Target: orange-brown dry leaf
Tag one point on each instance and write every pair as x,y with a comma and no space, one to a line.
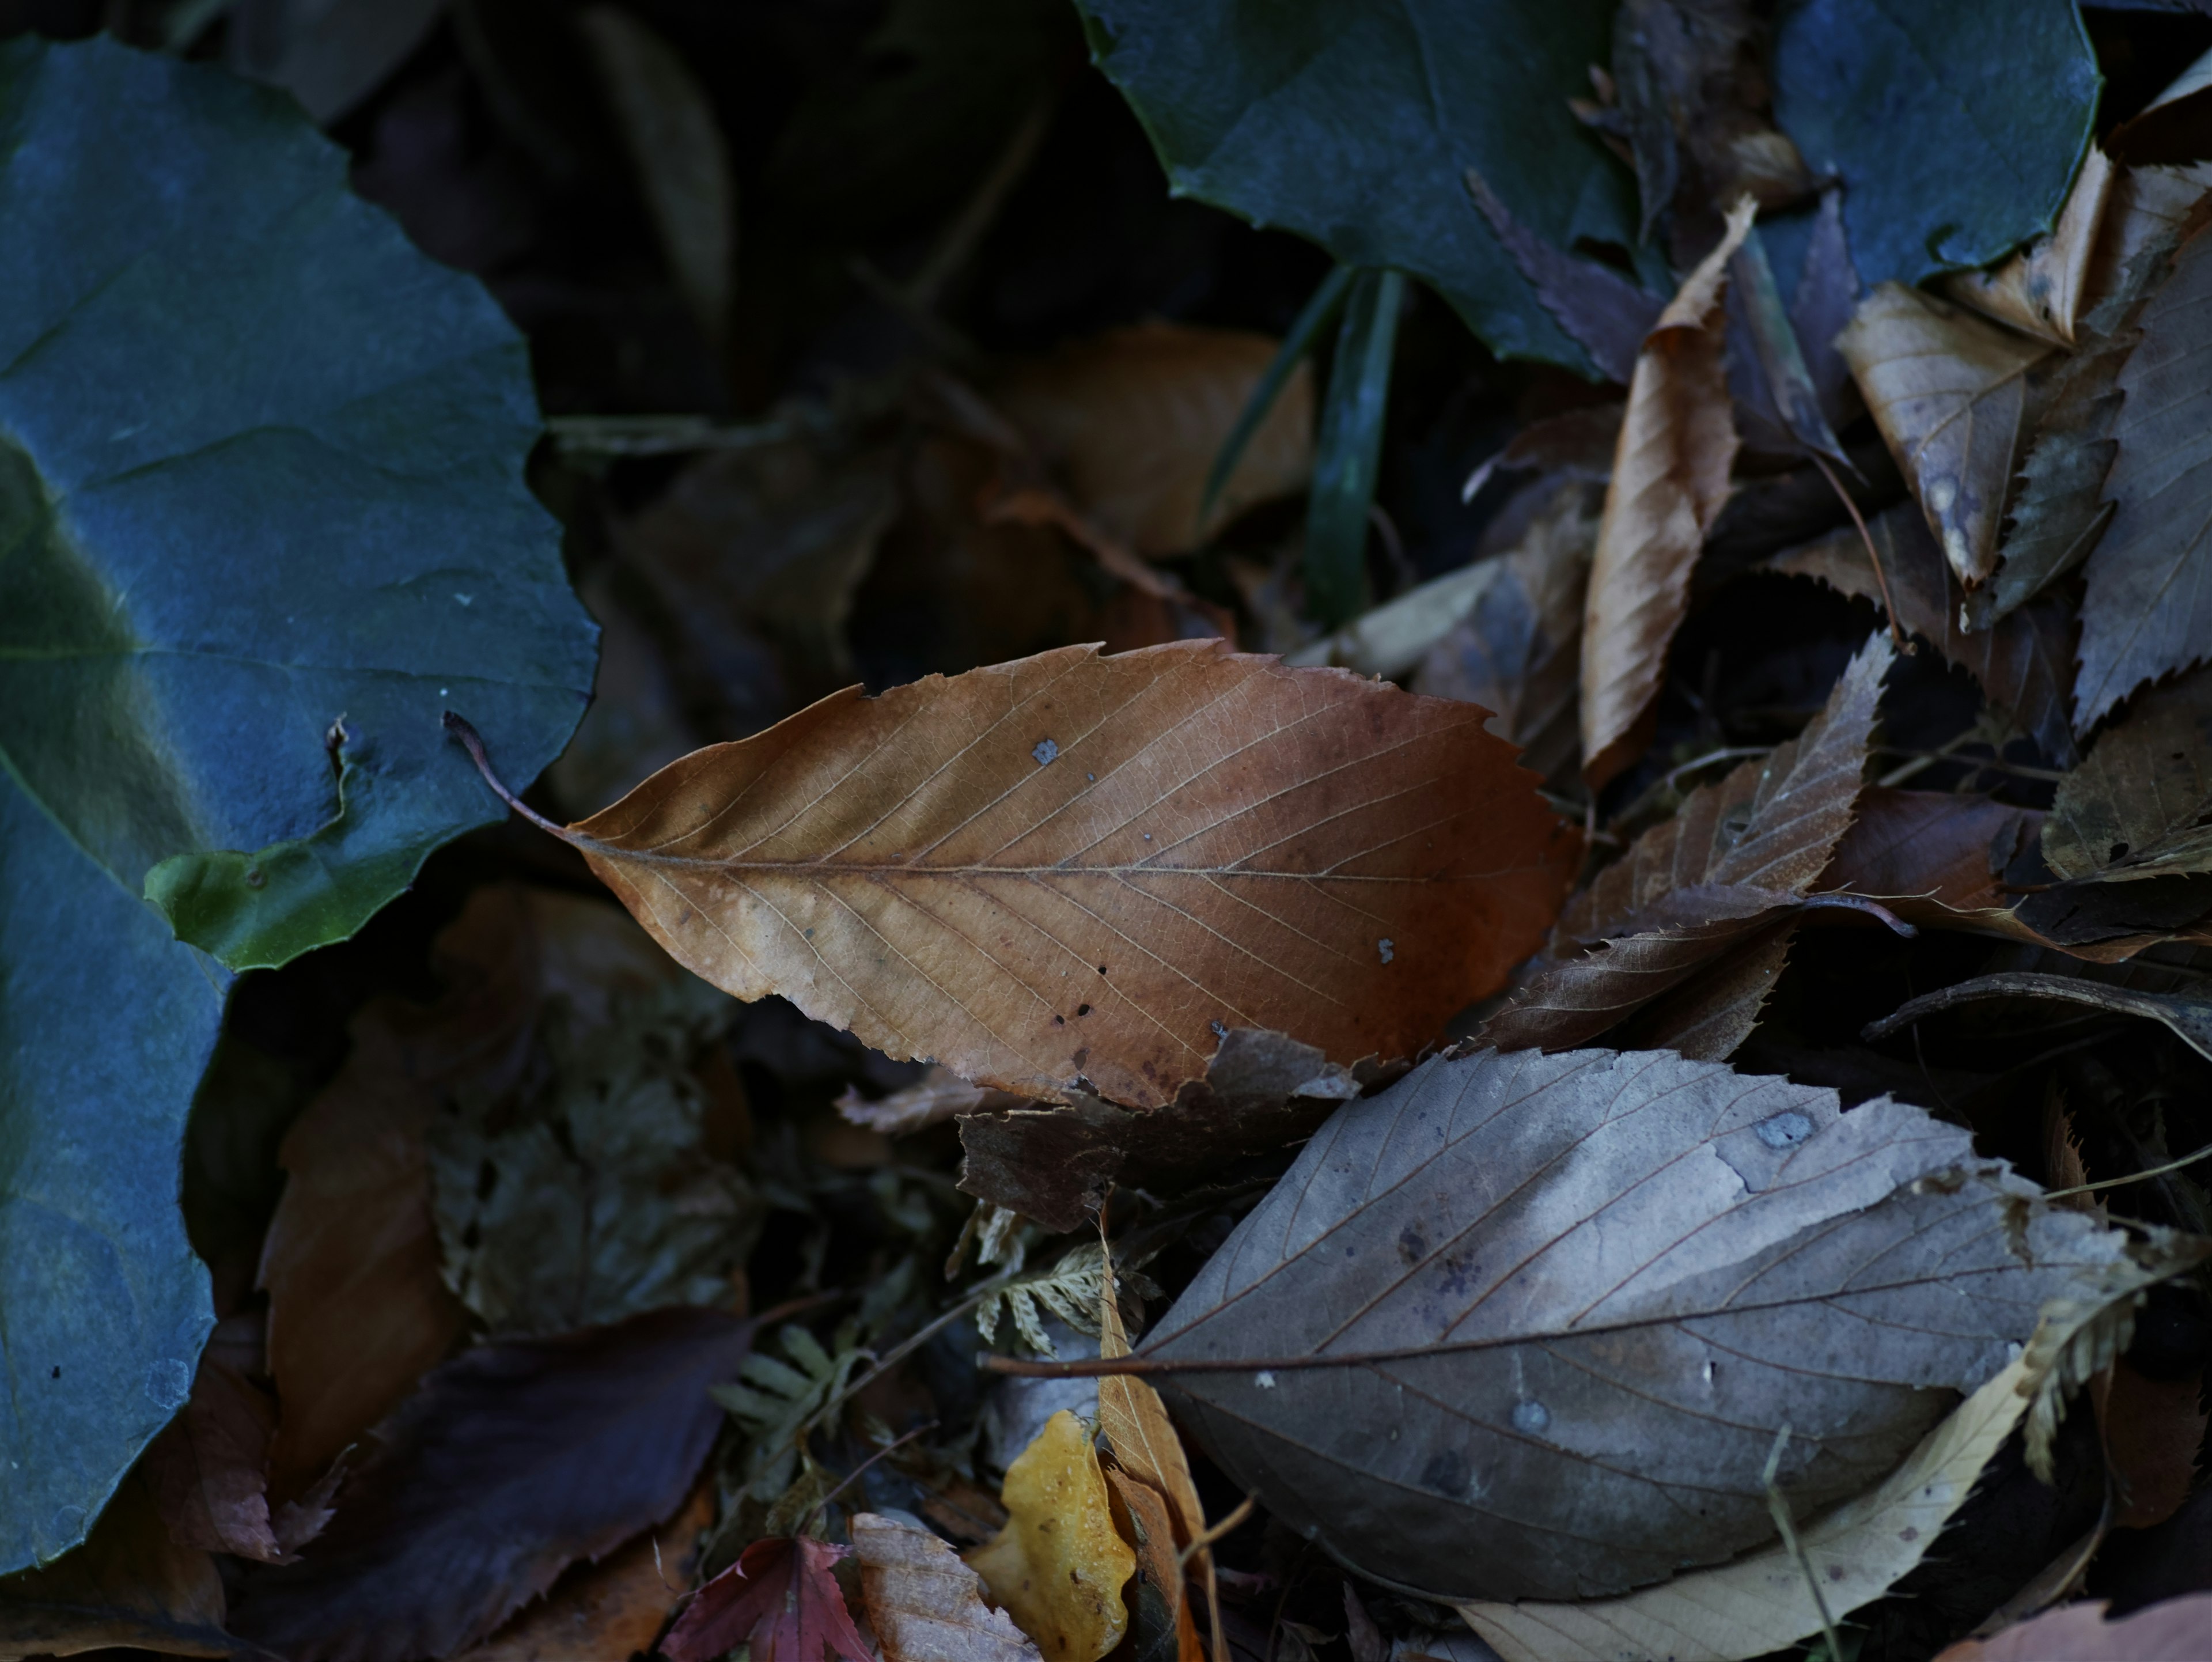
1058,1566
1670,480
1076,866
357,1310
1948,390
1131,420
610,1609
1156,1595
924,1604
2043,289
2153,1429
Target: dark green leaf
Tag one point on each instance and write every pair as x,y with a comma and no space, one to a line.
1350,449
1353,124
1955,128
261,500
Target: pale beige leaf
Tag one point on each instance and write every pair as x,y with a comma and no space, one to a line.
2149,205
1392,638
924,1604
667,124
2044,289
1076,868
1759,1604
1950,392
937,1096
1131,420
1670,480
2171,1631
1137,1428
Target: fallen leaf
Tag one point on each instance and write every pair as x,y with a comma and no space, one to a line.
1131,419
2147,609
1574,444
357,1310
1934,857
330,57
2188,1017
509,1464
666,122
1735,855
1761,1602
1455,1256
1950,392
2172,126
1390,639
589,1195
1161,1625
615,1608
209,1466
781,1598
1670,477
1517,652
2024,661
1827,293
2153,1429
1709,1017
923,1604
939,1095
1262,1092
2140,803
1079,867
2171,1631
2042,289
1058,1568
1601,311
128,1584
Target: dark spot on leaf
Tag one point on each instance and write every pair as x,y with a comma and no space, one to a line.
1447,1473
254,878
57,1370
1060,1021
1083,1009
1412,1246
2120,852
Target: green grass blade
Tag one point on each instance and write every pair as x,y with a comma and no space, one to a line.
1296,344
1350,445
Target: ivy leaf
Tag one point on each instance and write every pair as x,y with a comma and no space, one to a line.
1955,129
1409,98
262,500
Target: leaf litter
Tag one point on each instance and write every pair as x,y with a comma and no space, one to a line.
1014,955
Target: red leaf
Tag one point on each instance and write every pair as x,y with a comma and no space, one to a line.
781,1598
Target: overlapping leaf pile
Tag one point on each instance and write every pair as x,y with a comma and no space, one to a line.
1553,1009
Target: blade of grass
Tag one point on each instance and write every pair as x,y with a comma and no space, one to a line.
1296,344
1350,445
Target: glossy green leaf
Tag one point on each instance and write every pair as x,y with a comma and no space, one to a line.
1955,127
1354,124
261,516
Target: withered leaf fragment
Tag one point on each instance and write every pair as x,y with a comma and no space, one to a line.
1605,313
2043,289
1262,1092
781,1598
1079,868
2024,662
925,1605
130,1584
1670,479
511,1462
1576,1294
1950,392
2148,610
1734,858
209,1466
2140,804
2187,1014
2171,1631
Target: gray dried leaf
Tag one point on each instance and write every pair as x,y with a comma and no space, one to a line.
2186,1011
1562,1304
594,1198
2139,804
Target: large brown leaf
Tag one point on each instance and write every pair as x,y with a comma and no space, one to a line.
512,1461
2148,610
1670,477
1561,1306
2139,804
1716,875
1950,392
2024,662
357,1312
1077,867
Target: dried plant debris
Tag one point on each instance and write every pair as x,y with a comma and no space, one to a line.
1451,1260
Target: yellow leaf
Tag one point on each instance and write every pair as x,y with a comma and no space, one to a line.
1058,1566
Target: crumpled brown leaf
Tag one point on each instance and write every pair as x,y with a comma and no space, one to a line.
1950,392
358,1311
1579,1293
1670,477
2139,805
2043,289
1077,867
1725,869
1262,1092
511,1462
923,1604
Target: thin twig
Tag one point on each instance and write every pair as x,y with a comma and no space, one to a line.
2205,1152
1778,1507
1212,1532
1994,764
823,1505
1880,576
472,742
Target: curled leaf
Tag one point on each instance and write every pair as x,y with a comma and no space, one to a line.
781,1598
1058,1568
924,1604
